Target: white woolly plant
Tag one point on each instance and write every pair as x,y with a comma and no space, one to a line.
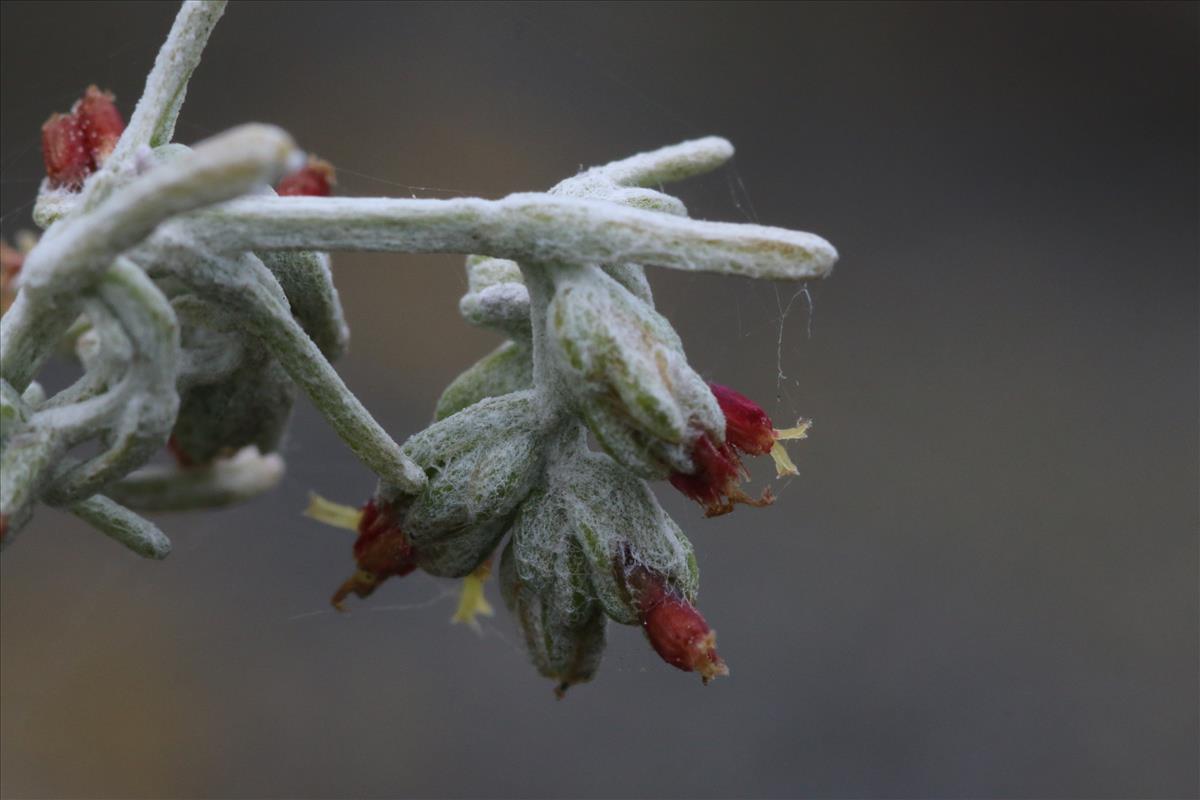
197,301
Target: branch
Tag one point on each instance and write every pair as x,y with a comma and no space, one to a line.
535,227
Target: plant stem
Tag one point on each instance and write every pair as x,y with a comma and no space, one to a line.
533,227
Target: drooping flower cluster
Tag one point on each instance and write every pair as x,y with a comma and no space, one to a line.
587,540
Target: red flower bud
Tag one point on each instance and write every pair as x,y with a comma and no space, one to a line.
314,179
747,427
381,551
64,151
676,630
101,123
75,145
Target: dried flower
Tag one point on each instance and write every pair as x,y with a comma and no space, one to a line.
101,123
381,551
64,151
75,145
715,479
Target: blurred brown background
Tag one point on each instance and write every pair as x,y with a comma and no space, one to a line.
984,582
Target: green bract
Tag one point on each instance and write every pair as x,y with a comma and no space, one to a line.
480,464
623,368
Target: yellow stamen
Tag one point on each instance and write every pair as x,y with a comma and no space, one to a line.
783,462
335,514
471,601
710,666
798,432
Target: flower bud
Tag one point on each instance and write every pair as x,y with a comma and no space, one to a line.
747,426
481,463
616,521
624,368
750,430
596,536
676,630
564,629
315,179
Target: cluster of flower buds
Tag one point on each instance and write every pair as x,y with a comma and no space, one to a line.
76,144
593,543
587,541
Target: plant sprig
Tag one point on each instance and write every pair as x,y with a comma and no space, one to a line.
199,302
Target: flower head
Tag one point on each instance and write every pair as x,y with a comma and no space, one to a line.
64,151
747,426
75,145
101,123
314,179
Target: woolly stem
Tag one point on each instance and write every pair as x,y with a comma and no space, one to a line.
524,227
541,290
153,120
122,525
664,165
